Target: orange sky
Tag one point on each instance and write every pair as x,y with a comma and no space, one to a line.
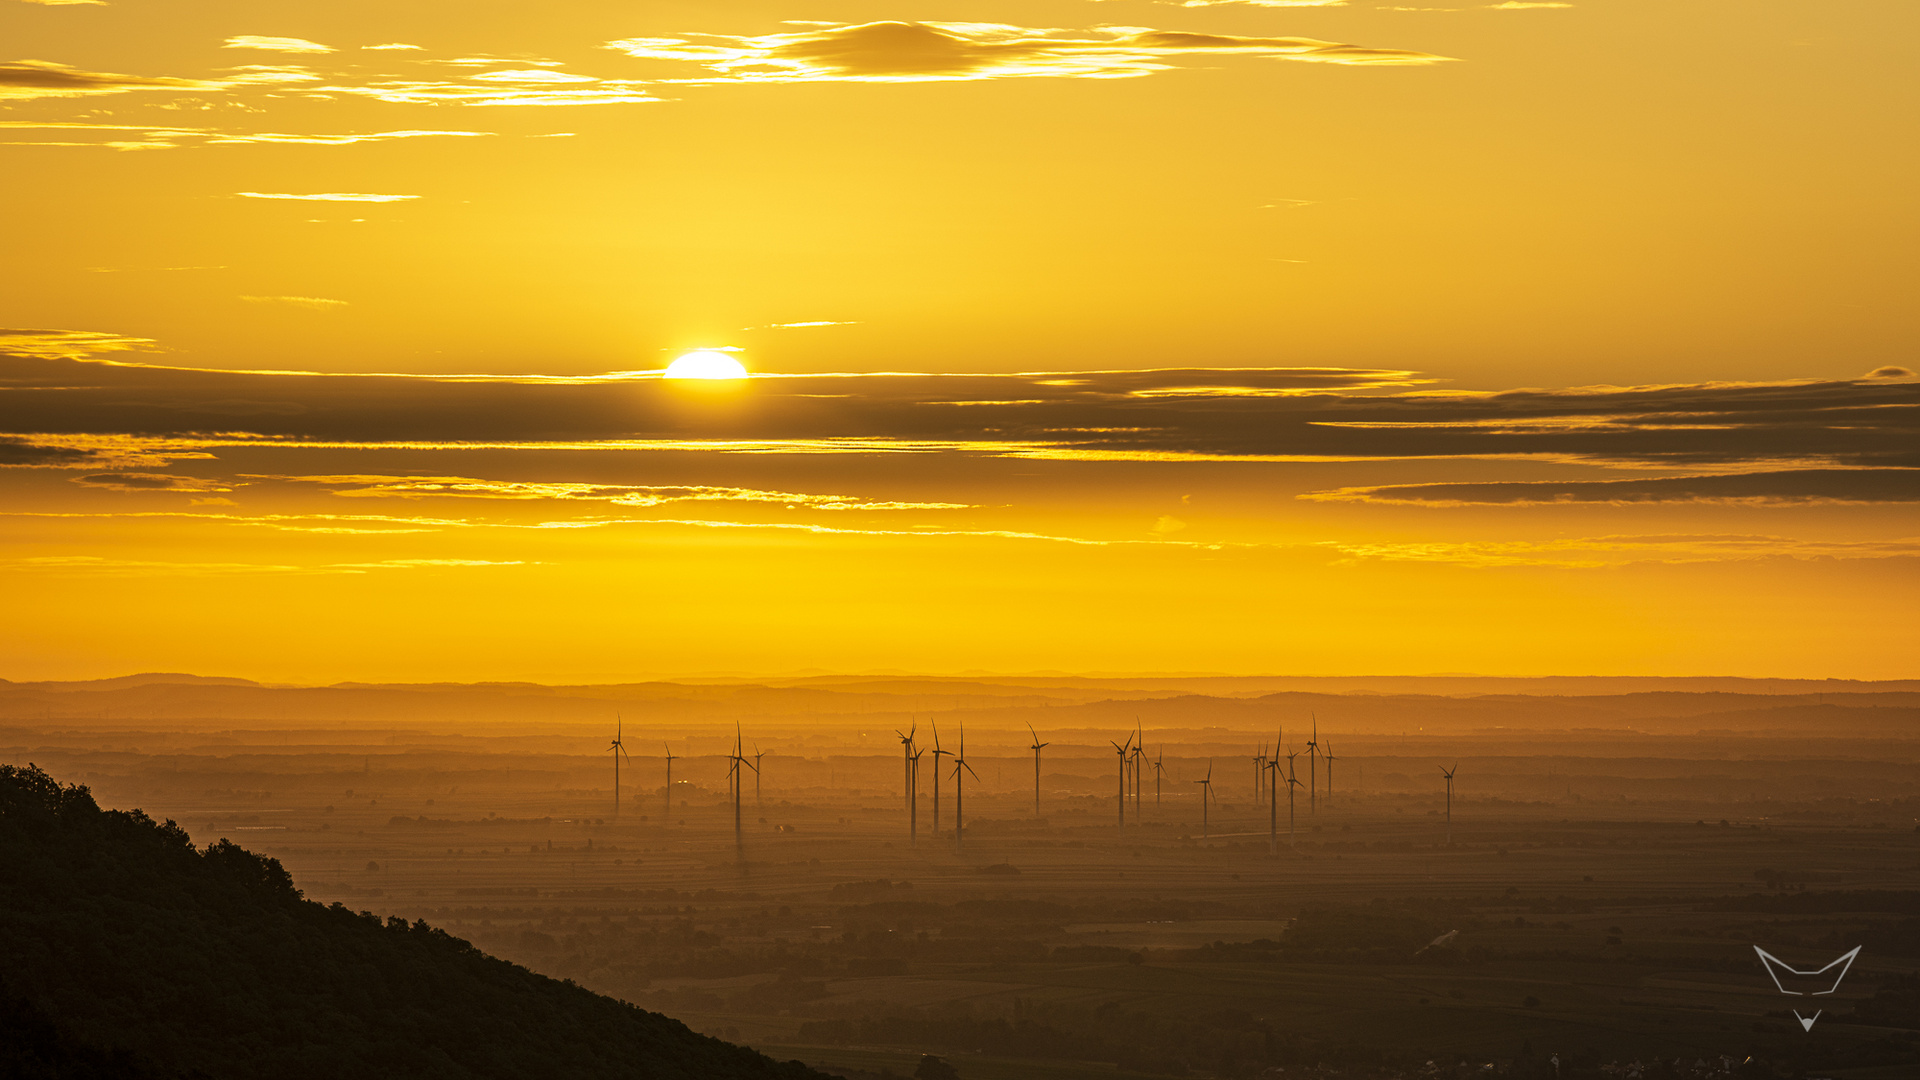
1371,338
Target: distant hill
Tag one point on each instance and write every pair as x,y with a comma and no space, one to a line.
126,952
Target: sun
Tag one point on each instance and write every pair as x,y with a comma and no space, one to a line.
706,364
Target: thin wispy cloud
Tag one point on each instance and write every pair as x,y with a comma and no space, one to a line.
950,52
1776,487
151,482
311,303
69,344
327,196
275,44
510,93
376,486
166,138
391,46
1595,552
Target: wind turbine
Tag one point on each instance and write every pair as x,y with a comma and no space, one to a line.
936,777
757,755
960,792
1448,773
736,762
669,747
1139,754
1326,755
1122,751
1206,790
619,750
1259,763
906,783
1273,804
1293,783
1313,771
1159,767
1036,748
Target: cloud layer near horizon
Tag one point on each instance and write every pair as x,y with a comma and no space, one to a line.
1838,440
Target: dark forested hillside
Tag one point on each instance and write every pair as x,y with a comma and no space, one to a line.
127,952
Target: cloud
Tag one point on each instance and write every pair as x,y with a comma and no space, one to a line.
93,564
314,303
275,44
1594,552
29,79
1523,5
576,90
1881,485
948,52
391,46
326,196
141,481
67,3
339,140
155,138
114,404
23,80
69,344
466,487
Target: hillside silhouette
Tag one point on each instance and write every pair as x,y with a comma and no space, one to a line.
127,952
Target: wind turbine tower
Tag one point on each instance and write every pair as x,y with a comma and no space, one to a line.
936,777
960,793
1206,792
1036,748
669,747
735,764
1313,769
907,762
1139,765
1448,773
1122,751
1326,755
619,751
1293,785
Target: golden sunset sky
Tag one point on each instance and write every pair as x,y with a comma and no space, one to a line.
1236,336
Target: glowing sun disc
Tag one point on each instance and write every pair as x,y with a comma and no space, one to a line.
706,364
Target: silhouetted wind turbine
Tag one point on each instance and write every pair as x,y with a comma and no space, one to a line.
1159,767
619,750
1293,784
1326,755
1273,805
1313,770
757,755
669,747
1036,748
907,778
737,762
936,778
1122,751
960,792
1139,754
1206,790
1448,773
1259,761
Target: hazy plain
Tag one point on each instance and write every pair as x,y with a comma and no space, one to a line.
1617,848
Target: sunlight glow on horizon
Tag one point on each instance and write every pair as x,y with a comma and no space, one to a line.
706,364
